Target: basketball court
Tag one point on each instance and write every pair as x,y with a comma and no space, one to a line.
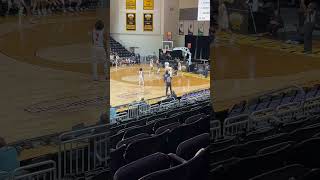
124,86
251,66
46,78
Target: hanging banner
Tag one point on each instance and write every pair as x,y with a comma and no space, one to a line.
148,4
181,28
131,21
169,36
190,28
204,10
200,28
131,4
147,22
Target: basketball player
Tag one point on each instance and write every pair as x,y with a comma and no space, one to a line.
223,20
170,69
309,25
141,77
151,65
98,49
9,6
158,66
179,68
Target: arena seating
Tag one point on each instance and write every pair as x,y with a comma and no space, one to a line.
259,141
173,132
274,136
119,49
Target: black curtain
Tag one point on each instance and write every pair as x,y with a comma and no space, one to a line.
200,46
204,46
193,41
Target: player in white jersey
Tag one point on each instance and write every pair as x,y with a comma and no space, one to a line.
98,49
158,66
151,64
141,77
179,67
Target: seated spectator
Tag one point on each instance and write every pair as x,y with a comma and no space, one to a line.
104,119
113,114
173,95
275,24
8,159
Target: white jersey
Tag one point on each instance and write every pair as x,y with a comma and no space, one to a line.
170,71
98,38
151,63
141,74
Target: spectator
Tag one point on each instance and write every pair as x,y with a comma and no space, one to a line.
275,23
174,95
309,24
206,70
104,118
8,159
113,114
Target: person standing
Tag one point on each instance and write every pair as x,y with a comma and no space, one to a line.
309,25
8,159
179,68
141,77
151,65
98,49
158,65
223,18
301,13
167,80
206,70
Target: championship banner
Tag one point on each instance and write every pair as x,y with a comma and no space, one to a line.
190,28
200,28
131,21
131,4
148,4
169,36
181,28
147,22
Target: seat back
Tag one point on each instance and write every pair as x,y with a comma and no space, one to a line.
116,158
142,167
190,147
139,130
164,122
173,173
198,166
132,139
146,146
294,171
307,153
194,118
169,127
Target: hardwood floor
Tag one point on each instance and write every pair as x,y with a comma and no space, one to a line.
248,67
